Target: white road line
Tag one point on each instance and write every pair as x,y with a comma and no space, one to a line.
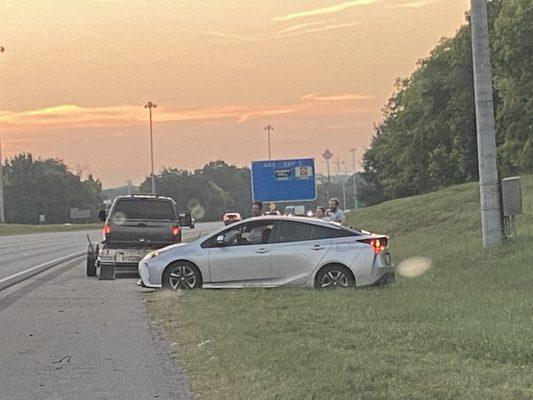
27,273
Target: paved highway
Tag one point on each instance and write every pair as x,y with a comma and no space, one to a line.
67,336
21,252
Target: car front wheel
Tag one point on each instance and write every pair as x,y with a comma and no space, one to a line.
182,276
334,276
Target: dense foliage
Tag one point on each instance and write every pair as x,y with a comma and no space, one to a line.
47,187
427,139
207,192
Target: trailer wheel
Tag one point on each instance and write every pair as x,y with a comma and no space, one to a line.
91,263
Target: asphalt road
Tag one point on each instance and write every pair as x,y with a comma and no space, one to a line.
20,252
66,336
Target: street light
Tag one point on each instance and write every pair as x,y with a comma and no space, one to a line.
149,106
354,186
269,128
327,155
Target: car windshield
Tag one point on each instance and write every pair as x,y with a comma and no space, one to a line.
144,209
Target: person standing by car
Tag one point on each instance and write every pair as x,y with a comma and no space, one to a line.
335,213
320,212
257,209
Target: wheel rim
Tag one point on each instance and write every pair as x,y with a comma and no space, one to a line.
335,278
182,277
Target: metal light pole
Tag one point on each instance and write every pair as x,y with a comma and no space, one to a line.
2,212
354,186
149,106
327,155
269,128
491,223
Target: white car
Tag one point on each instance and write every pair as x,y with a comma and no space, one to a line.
272,251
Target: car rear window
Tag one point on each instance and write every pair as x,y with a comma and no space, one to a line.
144,209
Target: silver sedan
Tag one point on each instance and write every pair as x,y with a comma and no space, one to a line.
269,252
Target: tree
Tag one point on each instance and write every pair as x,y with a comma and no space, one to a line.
34,187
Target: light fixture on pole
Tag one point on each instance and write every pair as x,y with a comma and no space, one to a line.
269,128
354,185
149,106
327,155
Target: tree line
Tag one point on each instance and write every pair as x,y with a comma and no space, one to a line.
34,187
427,139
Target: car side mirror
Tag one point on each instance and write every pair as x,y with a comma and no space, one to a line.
220,240
102,216
185,219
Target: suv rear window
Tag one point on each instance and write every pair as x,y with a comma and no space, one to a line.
144,209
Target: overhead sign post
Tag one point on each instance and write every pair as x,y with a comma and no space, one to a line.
284,180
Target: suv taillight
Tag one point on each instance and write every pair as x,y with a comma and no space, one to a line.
378,244
106,230
176,231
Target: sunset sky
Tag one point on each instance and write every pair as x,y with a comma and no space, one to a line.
76,74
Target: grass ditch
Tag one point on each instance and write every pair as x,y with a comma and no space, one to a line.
461,331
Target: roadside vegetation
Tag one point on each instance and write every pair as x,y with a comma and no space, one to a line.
461,331
19,229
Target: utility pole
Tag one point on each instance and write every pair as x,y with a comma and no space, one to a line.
2,211
149,106
354,185
327,155
269,128
491,223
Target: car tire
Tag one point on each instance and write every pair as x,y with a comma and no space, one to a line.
182,275
334,276
91,263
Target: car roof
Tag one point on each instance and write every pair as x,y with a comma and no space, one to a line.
143,197
308,220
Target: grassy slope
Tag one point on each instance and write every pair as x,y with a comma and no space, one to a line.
19,229
462,331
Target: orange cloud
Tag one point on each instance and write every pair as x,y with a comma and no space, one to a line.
416,4
337,97
324,10
73,116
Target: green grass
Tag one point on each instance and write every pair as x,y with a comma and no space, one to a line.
20,229
464,330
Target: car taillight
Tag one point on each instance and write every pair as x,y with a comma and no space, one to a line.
377,244
176,231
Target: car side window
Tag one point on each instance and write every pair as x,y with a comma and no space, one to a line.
292,231
256,232
322,232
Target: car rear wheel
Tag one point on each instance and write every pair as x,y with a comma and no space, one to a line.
182,276
334,276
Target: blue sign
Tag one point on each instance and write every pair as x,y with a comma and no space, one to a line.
284,180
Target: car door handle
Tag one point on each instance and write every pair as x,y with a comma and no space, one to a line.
318,247
261,250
